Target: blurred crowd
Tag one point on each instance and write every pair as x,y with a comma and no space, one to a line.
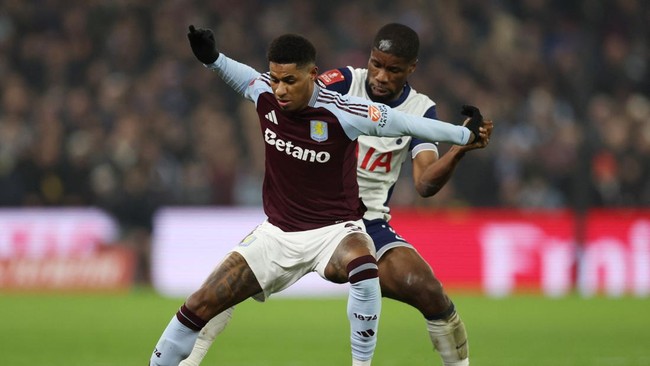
103,103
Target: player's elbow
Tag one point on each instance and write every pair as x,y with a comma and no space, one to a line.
427,189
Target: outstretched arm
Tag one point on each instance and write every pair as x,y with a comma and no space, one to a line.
237,75
431,173
381,120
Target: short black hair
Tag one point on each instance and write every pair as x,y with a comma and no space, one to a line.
398,40
292,49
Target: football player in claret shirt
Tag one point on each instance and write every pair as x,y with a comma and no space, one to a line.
310,193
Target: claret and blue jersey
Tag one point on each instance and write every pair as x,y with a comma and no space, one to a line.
310,179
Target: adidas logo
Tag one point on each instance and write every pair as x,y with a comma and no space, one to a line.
271,117
366,333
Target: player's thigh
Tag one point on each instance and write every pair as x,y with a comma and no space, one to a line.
350,244
230,283
278,259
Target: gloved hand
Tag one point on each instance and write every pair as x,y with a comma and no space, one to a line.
476,120
203,44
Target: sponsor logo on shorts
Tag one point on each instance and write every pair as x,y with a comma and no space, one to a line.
352,227
247,240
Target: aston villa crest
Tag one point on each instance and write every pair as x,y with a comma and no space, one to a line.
318,130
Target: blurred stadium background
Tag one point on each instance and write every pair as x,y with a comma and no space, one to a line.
121,157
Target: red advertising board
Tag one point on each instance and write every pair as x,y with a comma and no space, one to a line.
502,251
110,268
497,251
62,249
494,251
616,256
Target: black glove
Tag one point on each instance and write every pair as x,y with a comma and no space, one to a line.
203,44
476,120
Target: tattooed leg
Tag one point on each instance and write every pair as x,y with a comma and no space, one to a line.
229,284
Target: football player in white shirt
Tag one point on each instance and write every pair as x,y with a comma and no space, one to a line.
404,275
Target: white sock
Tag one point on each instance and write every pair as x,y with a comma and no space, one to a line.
207,335
449,338
361,363
364,308
174,345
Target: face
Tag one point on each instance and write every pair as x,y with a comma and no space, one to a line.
387,75
292,86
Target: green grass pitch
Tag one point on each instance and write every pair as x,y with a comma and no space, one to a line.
121,330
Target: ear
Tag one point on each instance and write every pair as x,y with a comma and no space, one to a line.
412,66
313,73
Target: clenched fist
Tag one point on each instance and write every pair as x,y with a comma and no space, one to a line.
476,120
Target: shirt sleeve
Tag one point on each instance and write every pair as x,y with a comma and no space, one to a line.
417,145
381,120
237,75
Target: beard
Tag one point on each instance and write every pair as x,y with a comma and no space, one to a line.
382,98
385,98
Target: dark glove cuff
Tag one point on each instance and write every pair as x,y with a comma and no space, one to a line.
210,59
475,122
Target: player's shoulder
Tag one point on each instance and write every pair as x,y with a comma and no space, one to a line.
340,79
338,100
417,103
420,97
264,78
347,108
334,76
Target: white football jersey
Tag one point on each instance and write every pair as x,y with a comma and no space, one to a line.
380,158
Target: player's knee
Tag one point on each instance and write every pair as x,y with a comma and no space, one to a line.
354,246
424,293
424,289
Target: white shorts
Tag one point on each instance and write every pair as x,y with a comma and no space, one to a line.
279,259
